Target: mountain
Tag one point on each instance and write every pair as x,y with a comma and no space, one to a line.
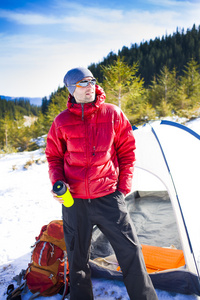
35,101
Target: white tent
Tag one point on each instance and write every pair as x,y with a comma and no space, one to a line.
170,153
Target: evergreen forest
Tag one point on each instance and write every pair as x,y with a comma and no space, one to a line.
155,79
16,107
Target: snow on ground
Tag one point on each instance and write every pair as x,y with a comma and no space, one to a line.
26,204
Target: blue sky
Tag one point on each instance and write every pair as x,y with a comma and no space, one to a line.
40,40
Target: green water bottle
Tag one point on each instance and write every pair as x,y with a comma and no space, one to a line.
62,191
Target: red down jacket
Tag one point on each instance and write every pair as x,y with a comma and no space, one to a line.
91,147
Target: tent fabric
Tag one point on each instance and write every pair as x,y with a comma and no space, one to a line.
172,280
166,266
176,281
170,152
147,210
154,220
169,216
183,160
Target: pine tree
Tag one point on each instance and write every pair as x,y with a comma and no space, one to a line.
163,91
44,106
188,98
6,128
39,127
191,79
57,103
117,80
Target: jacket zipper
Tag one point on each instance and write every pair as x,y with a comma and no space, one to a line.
82,107
87,149
87,155
93,140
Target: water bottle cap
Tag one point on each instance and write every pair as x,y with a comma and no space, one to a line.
59,188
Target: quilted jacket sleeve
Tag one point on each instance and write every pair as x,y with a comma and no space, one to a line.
55,150
125,148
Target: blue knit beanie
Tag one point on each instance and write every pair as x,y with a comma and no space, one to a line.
75,75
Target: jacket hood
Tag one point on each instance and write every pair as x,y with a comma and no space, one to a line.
90,107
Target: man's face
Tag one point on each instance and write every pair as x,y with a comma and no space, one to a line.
85,94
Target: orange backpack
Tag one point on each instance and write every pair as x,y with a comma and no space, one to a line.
48,272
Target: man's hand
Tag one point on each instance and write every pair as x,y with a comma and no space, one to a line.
59,199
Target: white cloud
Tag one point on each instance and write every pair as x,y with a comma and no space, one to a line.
36,67
34,64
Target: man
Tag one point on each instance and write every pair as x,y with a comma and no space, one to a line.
90,147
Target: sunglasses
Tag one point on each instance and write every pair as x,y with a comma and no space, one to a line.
84,83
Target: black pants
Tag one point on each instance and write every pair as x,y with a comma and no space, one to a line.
110,214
